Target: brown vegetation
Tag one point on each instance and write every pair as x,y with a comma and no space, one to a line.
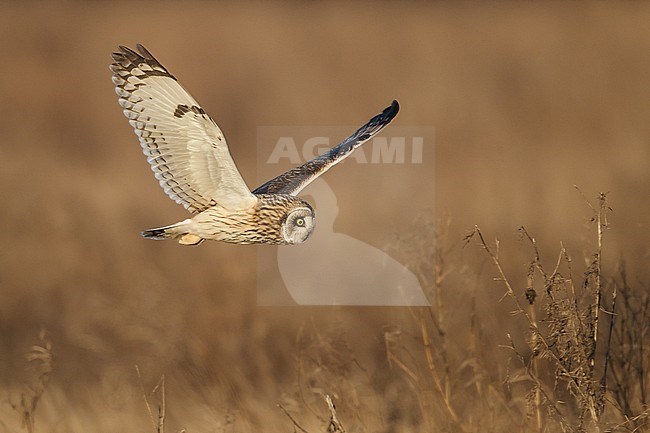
545,328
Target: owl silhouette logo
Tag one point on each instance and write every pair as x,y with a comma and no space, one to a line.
338,269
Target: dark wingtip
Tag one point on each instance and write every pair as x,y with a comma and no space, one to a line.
391,112
141,52
119,54
126,58
144,52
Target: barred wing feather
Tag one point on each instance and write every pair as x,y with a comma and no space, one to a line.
296,179
185,147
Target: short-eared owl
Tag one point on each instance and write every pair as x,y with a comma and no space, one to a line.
189,157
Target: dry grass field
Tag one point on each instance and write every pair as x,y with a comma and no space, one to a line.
527,100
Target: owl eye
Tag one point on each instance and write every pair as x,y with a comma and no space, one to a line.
300,222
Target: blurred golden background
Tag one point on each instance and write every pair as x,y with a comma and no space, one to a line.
527,100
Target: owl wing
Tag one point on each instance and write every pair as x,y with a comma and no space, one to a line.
294,180
185,147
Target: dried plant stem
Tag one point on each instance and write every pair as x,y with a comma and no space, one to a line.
502,276
597,290
391,357
159,423
162,408
335,425
538,386
600,218
538,392
293,421
531,296
610,332
426,343
521,311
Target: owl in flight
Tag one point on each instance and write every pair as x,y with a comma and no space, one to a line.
189,157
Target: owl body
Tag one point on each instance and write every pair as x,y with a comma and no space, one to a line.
275,219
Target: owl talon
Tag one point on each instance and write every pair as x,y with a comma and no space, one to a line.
190,239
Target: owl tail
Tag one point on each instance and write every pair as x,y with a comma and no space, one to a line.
178,231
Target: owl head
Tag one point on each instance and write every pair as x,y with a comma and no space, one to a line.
299,223
281,219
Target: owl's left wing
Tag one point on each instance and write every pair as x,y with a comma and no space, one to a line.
295,180
185,148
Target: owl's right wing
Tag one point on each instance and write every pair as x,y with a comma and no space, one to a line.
296,179
185,147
